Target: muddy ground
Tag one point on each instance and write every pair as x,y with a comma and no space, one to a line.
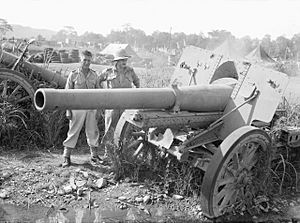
31,179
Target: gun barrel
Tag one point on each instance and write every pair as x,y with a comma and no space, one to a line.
8,59
192,98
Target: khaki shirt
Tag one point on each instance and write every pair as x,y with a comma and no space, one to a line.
77,80
119,79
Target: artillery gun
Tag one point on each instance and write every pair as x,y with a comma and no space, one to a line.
19,78
215,116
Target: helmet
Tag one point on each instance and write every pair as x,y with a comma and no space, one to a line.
121,54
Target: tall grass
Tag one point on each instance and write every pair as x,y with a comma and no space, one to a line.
286,160
19,127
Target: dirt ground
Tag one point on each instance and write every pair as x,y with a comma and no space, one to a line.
35,178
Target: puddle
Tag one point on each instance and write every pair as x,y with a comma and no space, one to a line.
11,213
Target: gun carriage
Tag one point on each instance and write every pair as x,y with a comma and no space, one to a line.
19,78
215,116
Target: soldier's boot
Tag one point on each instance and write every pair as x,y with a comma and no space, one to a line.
95,158
67,157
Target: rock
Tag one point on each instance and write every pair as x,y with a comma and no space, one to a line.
100,183
6,175
141,207
89,182
198,208
65,174
146,199
107,199
127,180
123,206
68,189
134,184
4,194
79,191
80,183
122,198
72,182
275,210
77,170
177,197
147,212
139,199
22,170
292,204
85,174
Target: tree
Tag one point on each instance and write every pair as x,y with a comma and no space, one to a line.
4,27
296,46
246,45
268,45
40,38
134,37
283,46
116,37
217,37
93,38
68,32
161,39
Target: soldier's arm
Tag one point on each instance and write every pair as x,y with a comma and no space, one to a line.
103,77
136,79
70,83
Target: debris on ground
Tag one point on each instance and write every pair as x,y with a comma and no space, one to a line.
41,182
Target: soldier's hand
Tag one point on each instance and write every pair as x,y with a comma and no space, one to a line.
69,114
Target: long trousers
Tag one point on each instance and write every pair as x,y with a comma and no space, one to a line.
111,120
79,118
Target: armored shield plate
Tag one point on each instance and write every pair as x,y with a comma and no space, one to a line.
203,62
270,85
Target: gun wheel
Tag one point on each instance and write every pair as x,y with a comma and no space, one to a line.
236,172
133,145
15,89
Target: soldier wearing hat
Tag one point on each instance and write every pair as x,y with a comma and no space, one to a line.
119,76
82,78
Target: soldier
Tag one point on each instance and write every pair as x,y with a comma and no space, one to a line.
82,78
120,76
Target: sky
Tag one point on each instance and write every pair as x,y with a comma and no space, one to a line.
254,18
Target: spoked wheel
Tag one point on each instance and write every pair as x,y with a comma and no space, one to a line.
133,144
235,169
15,89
